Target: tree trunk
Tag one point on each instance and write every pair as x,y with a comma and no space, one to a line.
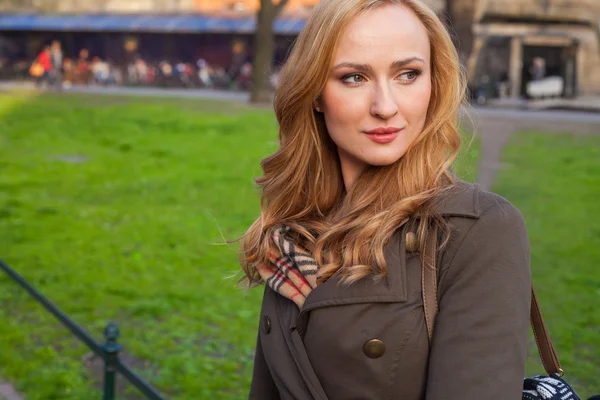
264,49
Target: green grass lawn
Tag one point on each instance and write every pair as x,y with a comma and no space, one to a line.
116,209
555,181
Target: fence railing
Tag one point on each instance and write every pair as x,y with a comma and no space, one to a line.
109,351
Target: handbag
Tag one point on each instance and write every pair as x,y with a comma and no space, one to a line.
540,387
36,70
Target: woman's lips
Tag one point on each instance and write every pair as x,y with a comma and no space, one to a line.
383,135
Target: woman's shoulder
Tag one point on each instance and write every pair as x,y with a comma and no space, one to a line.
481,223
470,201
488,241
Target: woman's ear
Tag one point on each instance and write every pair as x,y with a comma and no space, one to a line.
317,104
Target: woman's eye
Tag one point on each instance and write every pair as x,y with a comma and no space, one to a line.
353,78
410,75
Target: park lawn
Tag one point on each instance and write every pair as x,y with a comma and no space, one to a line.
555,181
117,208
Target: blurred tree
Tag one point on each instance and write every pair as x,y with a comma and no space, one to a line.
30,5
47,5
264,49
14,5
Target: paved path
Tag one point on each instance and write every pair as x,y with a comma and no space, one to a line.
7,392
230,95
581,103
496,126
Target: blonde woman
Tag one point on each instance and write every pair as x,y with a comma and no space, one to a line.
367,107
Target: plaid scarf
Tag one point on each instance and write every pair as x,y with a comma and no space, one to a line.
292,271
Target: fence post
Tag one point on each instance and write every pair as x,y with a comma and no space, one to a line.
111,350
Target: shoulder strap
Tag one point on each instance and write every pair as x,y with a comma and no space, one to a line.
545,347
429,280
542,339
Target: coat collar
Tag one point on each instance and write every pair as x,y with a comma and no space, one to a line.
389,289
460,200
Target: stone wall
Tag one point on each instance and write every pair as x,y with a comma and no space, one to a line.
588,58
557,10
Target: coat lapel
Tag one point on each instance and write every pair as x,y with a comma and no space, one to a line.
287,315
390,289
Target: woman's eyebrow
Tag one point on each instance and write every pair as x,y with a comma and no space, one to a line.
402,63
367,67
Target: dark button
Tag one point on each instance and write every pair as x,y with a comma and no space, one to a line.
266,324
374,348
412,242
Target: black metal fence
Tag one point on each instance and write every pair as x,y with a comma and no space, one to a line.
109,351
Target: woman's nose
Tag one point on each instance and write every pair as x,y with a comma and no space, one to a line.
384,105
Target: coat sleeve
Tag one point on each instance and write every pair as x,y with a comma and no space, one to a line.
479,345
263,386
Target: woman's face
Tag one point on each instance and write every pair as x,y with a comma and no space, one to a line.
376,97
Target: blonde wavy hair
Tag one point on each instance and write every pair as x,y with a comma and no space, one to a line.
302,184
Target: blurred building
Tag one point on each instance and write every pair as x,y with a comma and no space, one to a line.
294,7
220,7
508,35
498,40
218,31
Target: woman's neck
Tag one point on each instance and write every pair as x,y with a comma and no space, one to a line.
351,169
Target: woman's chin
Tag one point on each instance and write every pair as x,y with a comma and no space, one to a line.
382,160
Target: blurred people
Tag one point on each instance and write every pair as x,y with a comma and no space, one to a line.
152,75
131,73
68,71
101,71
220,78
141,71
538,69
56,59
204,73
54,68
484,90
201,63
42,67
244,79
185,74
503,84
116,74
82,68
166,73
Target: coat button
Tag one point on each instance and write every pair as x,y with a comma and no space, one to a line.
412,242
374,348
266,325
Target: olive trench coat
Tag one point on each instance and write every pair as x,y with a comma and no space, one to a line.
369,340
